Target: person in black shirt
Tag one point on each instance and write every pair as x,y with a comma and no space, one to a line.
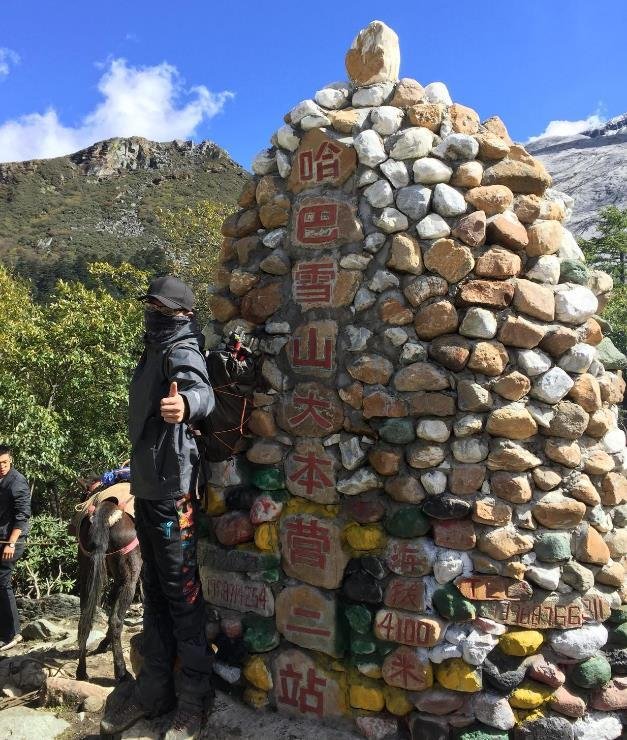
14,518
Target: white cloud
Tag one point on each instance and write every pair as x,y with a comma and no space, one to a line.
8,59
146,101
570,128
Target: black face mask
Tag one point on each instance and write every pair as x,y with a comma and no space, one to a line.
161,328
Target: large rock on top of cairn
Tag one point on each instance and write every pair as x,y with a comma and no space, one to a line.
433,501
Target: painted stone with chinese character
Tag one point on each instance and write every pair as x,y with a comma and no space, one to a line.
321,160
311,550
310,410
408,668
407,628
310,472
405,593
307,617
322,222
311,348
321,283
410,557
493,588
236,592
301,687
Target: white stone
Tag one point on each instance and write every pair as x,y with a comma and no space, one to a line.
357,337
264,162
541,414
376,40
545,576
574,304
599,519
476,647
383,280
390,220
355,261
411,143
430,170
275,238
287,138
309,122
578,358
379,194
366,177
373,242
413,201
449,565
364,299
369,148
432,226
600,282
434,482
533,361
277,327
479,323
444,651
580,643
569,249
24,723
552,386
283,163
447,201
434,430
332,97
457,147
351,453
614,441
386,119
437,92
470,449
490,626
305,108
412,352
546,269
373,96
493,710
598,726
396,336
229,673
467,425
365,479
396,172
457,633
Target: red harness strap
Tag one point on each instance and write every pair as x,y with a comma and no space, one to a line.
122,551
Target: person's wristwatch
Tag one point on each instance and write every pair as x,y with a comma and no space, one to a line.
11,545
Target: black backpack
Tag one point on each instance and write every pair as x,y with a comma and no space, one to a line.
233,374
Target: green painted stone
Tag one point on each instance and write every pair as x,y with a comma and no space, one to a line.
281,496
271,576
397,431
361,645
552,547
610,356
268,479
452,605
360,618
260,635
591,673
618,616
618,636
574,271
385,648
407,521
482,732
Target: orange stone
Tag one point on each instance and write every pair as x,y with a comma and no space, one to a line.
488,293
491,199
586,392
489,358
434,319
513,488
513,386
507,232
517,331
260,303
427,115
559,514
321,160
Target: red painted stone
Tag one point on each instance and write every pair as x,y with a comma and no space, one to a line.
407,668
233,528
456,534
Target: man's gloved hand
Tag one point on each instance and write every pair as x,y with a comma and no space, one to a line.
173,406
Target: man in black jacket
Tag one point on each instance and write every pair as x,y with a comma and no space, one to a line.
169,388
14,518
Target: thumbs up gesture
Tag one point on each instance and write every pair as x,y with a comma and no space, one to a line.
173,406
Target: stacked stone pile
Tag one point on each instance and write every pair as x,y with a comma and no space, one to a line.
429,525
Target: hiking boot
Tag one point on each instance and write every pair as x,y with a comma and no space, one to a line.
122,709
186,723
11,643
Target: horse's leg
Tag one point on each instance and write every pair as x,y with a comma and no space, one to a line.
105,643
83,572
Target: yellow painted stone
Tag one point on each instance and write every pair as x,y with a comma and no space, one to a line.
529,695
256,698
396,701
372,670
362,696
214,503
527,715
258,674
338,666
521,642
297,505
366,537
457,675
267,537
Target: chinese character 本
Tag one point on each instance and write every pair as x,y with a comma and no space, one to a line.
311,475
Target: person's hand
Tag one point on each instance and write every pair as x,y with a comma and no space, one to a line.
8,552
173,406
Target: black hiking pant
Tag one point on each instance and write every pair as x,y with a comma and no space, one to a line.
9,617
174,610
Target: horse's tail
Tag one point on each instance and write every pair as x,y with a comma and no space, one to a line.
98,542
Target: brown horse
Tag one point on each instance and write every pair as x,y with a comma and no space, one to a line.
108,546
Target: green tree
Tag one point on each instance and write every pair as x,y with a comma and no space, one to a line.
64,372
194,239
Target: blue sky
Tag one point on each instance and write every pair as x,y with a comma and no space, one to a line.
72,72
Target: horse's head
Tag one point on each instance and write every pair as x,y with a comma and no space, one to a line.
88,486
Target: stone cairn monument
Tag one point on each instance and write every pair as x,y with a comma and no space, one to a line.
427,531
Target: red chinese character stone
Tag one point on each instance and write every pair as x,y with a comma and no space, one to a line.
320,160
